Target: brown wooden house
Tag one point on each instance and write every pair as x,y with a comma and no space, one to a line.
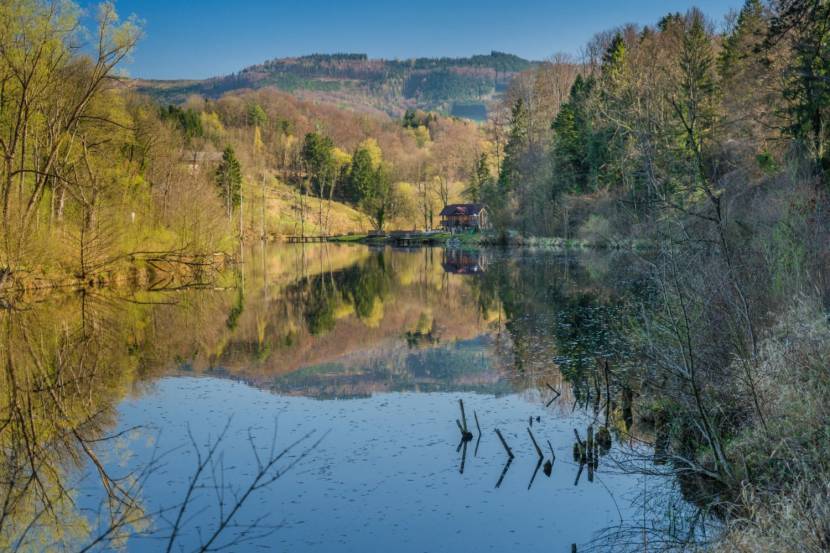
459,217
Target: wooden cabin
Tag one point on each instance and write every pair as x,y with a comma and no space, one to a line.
460,217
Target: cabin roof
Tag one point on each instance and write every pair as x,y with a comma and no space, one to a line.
462,209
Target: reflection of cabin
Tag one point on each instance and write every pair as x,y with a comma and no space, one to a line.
455,217
463,262
195,160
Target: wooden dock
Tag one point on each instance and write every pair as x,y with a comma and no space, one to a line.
414,238
307,239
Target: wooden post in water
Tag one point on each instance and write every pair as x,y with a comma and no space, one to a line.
538,449
504,443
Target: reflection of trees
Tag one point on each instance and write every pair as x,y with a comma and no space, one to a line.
361,287
60,381
555,313
66,365
564,320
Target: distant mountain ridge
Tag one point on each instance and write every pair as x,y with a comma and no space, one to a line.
460,86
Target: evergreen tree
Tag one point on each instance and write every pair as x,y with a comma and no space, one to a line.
361,175
578,152
229,180
741,44
745,73
187,120
806,25
318,157
479,179
517,140
695,100
257,116
381,201
614,58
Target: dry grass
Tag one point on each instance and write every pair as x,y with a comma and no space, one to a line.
787,506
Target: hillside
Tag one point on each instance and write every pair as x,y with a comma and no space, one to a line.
283,214
457,86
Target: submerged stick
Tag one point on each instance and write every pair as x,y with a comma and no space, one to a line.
579,473
465,435
535,472
504,443
538,450
504,471
554,390
463,416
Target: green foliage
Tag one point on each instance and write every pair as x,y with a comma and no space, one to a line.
578,151
257,116
511,169
767,163
695,102
480,179
613,61
749,32
361,175
228,178
805,25
445,84
381,201
433,82
318,158
188,121
414,118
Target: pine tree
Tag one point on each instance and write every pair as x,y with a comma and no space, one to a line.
317,155
229,180
806,25
361,175
696,97
745,73
479,179
511,173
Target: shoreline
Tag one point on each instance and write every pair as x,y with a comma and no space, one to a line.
419,239
190,270
135,274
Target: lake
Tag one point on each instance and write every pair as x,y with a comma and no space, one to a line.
311,401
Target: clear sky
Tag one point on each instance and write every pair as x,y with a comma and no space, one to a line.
203,38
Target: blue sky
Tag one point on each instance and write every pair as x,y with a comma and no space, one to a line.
197,39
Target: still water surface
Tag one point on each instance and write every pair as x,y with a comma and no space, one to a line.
370,351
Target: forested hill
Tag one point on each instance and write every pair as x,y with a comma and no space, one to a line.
461,86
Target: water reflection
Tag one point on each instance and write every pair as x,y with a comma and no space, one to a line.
108,411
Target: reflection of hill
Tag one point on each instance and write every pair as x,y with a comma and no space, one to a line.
465,365
353,317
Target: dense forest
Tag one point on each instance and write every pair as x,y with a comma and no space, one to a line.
711,142
386,86
704,145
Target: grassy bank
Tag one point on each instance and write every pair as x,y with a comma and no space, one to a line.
496,239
